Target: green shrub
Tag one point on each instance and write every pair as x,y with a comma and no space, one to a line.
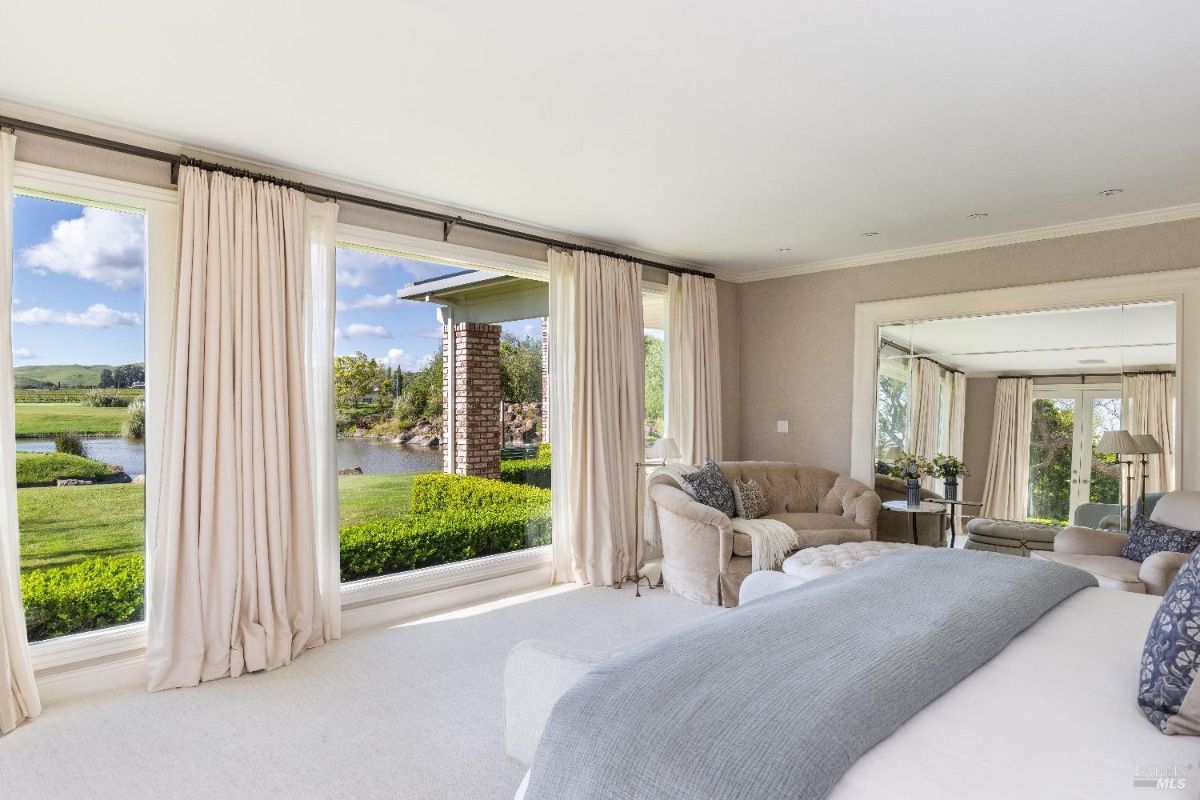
437,492
134,426
70,444
529,471
44,469
102,398
92,594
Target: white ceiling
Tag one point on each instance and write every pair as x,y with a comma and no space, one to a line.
1088,340
713,132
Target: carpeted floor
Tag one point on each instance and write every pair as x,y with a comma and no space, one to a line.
414,711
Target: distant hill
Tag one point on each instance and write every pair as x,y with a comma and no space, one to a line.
47,376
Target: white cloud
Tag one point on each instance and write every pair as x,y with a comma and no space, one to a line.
368,301
97,316
405,361
433,333
357,330
356,268
104,246
23,353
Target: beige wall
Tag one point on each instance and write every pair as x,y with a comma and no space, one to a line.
977,434
797,334
729,320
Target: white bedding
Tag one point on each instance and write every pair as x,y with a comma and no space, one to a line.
1053,716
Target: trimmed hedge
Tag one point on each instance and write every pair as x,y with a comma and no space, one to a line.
44,469
82,597
528,471
453,518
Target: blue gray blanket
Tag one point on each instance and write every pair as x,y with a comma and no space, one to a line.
777,699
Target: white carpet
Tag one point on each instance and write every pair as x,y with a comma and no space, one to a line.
414,711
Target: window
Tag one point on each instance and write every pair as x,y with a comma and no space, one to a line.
654,361
892,410
1065,470
440,393
79,305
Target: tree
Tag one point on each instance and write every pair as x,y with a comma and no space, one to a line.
1050,459
652,349
421,396
359,380
106,379
520,369
893,414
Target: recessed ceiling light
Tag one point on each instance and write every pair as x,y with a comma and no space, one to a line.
785,249
1092,361
977,215
871,233
1110,192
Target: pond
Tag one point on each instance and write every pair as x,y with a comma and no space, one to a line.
372,455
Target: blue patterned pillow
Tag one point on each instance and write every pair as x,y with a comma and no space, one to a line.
710,487
1147,537
1169,690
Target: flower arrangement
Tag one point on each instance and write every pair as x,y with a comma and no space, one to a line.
911,466
948,467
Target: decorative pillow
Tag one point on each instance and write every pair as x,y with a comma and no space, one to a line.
1169,689
749,499
710,487
1147,537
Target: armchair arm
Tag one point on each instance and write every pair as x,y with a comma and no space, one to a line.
1089,541
856,500
693,535
866,510
1160,569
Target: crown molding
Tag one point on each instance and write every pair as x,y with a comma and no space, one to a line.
1097,225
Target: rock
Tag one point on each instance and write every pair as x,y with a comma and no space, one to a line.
116,477
139,478
73,482
350,471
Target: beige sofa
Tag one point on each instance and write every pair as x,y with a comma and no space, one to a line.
705,561
1099,552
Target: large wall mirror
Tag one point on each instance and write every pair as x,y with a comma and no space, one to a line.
1026,399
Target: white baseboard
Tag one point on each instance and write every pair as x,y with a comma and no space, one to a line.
116,673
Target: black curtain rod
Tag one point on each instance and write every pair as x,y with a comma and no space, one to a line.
1092,374
448,221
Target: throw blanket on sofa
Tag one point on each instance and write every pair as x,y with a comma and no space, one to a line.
770,541
776,699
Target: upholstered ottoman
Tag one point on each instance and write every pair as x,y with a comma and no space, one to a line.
1009,536
817,562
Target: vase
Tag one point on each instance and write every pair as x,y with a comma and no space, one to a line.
914,492
952,488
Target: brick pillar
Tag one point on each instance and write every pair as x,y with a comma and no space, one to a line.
545,379
476,407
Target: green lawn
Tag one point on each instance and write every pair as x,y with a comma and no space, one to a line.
47,419
44,469
61,526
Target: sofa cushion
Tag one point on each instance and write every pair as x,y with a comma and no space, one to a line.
1112,572
1147,537
812,530
1169,685
710,487
749,499
818,522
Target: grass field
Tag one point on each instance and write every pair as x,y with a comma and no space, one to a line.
47,419
61,526
71,395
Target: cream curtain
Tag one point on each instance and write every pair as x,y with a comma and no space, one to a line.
596,402
320,312
924,381
1006,487
1150,406
234,580
18,691
956,427
693,368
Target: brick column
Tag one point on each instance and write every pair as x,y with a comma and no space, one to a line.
545,379
476,406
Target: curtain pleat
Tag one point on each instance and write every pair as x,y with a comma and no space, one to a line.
597,399
234,578
924,381
1150,400
693,368
1006,487
18,691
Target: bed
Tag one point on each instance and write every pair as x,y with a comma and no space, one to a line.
1052,715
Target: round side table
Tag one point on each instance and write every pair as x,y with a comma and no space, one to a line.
926,507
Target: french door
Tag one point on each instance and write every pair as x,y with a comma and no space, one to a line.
1065,471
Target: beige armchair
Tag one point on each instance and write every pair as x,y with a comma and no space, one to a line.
704,560
1099,552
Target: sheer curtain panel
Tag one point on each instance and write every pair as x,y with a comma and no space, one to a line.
693,368
234,578
18,691
1006,487
596,404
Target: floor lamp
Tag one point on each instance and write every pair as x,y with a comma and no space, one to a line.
1118,443
657,455
1147,446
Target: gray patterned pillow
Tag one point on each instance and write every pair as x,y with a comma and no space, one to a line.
1169,688
1147,537
749,499
710,487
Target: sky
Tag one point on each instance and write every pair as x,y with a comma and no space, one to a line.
79,292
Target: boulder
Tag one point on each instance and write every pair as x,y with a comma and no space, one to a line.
139,478
350,471
73,482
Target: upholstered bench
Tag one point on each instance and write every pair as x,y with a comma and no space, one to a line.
817,562
1009,536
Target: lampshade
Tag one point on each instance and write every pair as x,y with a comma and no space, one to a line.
1117,442
1147,444
665,449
